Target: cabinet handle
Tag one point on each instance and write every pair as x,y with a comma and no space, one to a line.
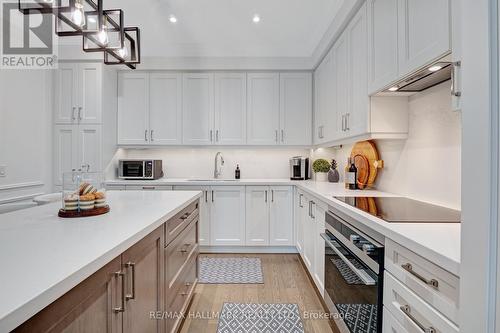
211,135
151,135
455,65
310,204
283,136
212,196
206,196
73,117
300,200
132,266
185,216
217,135
343,123
347,125
121,308
272,195
276,136
311,213
407,311
432,282
148,187
80,113
146,135
319,132
266,196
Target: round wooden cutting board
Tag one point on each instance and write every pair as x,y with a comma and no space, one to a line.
369,151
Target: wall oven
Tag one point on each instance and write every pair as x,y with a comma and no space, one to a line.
353,276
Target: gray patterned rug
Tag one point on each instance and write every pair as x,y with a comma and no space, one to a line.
360,318
230,270
260,318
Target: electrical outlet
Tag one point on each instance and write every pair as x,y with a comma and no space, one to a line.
3,171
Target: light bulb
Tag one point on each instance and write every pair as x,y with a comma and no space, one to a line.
78,15
123,52
103,36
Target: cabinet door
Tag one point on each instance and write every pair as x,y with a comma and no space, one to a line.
263,108
382,43
281,217
90,93
319,248
133,106
165,109
227,215
230,108
300,216
198,108
341,85
65,150
359,102
89,147
331,128
309,231
424,32
295,108
319,83
143,265
66,94
257,215
94,305
204,212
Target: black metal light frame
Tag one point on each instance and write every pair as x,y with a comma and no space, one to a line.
112,57
96,9
112,26
41,7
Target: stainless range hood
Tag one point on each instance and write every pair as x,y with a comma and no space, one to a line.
425,78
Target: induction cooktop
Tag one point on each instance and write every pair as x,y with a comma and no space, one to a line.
403,210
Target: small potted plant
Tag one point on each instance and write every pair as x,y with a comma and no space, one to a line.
321,168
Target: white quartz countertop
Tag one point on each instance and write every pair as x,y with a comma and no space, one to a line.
44,256
437,242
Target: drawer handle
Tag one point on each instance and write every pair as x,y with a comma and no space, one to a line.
433,282
188,284
187,246
185,216
184,294
148,187
407,311
132,266
122,307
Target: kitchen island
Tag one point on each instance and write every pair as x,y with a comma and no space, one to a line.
44,256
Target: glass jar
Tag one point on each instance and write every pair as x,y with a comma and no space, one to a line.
83,191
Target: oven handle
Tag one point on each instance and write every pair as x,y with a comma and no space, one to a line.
367,280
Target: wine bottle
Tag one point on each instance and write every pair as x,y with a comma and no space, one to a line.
353,175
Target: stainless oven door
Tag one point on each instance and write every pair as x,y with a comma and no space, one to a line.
351,288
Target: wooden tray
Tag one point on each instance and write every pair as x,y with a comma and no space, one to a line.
368,150
83,213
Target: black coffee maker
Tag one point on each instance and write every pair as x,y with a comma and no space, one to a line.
299,168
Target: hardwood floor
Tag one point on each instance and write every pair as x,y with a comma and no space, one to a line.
285,281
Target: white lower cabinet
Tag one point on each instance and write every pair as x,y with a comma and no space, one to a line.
300,212
319,247
390,324
204,211
227,215
269,216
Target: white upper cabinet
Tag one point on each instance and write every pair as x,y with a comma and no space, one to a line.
165,109
227,215
263,114
133,105
341,86
230,108
295,108
281,216
90,99
359,101
424,32
325,117
78,93
382,43
198,108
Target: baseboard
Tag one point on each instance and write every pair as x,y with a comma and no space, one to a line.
248,249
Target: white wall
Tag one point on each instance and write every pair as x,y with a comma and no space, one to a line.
427,165
25,133
199,162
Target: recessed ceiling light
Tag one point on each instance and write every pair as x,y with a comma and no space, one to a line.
393,88
256,18
172,19
435,68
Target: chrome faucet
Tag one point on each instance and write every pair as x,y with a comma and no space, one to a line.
217,170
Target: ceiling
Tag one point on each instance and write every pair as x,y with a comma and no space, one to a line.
224,28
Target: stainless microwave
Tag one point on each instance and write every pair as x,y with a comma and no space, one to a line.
140,169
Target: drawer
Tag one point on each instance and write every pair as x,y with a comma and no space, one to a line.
435,285
150,187
179,252
176,224
411,311
178,299
390,324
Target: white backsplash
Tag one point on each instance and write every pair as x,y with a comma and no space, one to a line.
265,163
427,165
